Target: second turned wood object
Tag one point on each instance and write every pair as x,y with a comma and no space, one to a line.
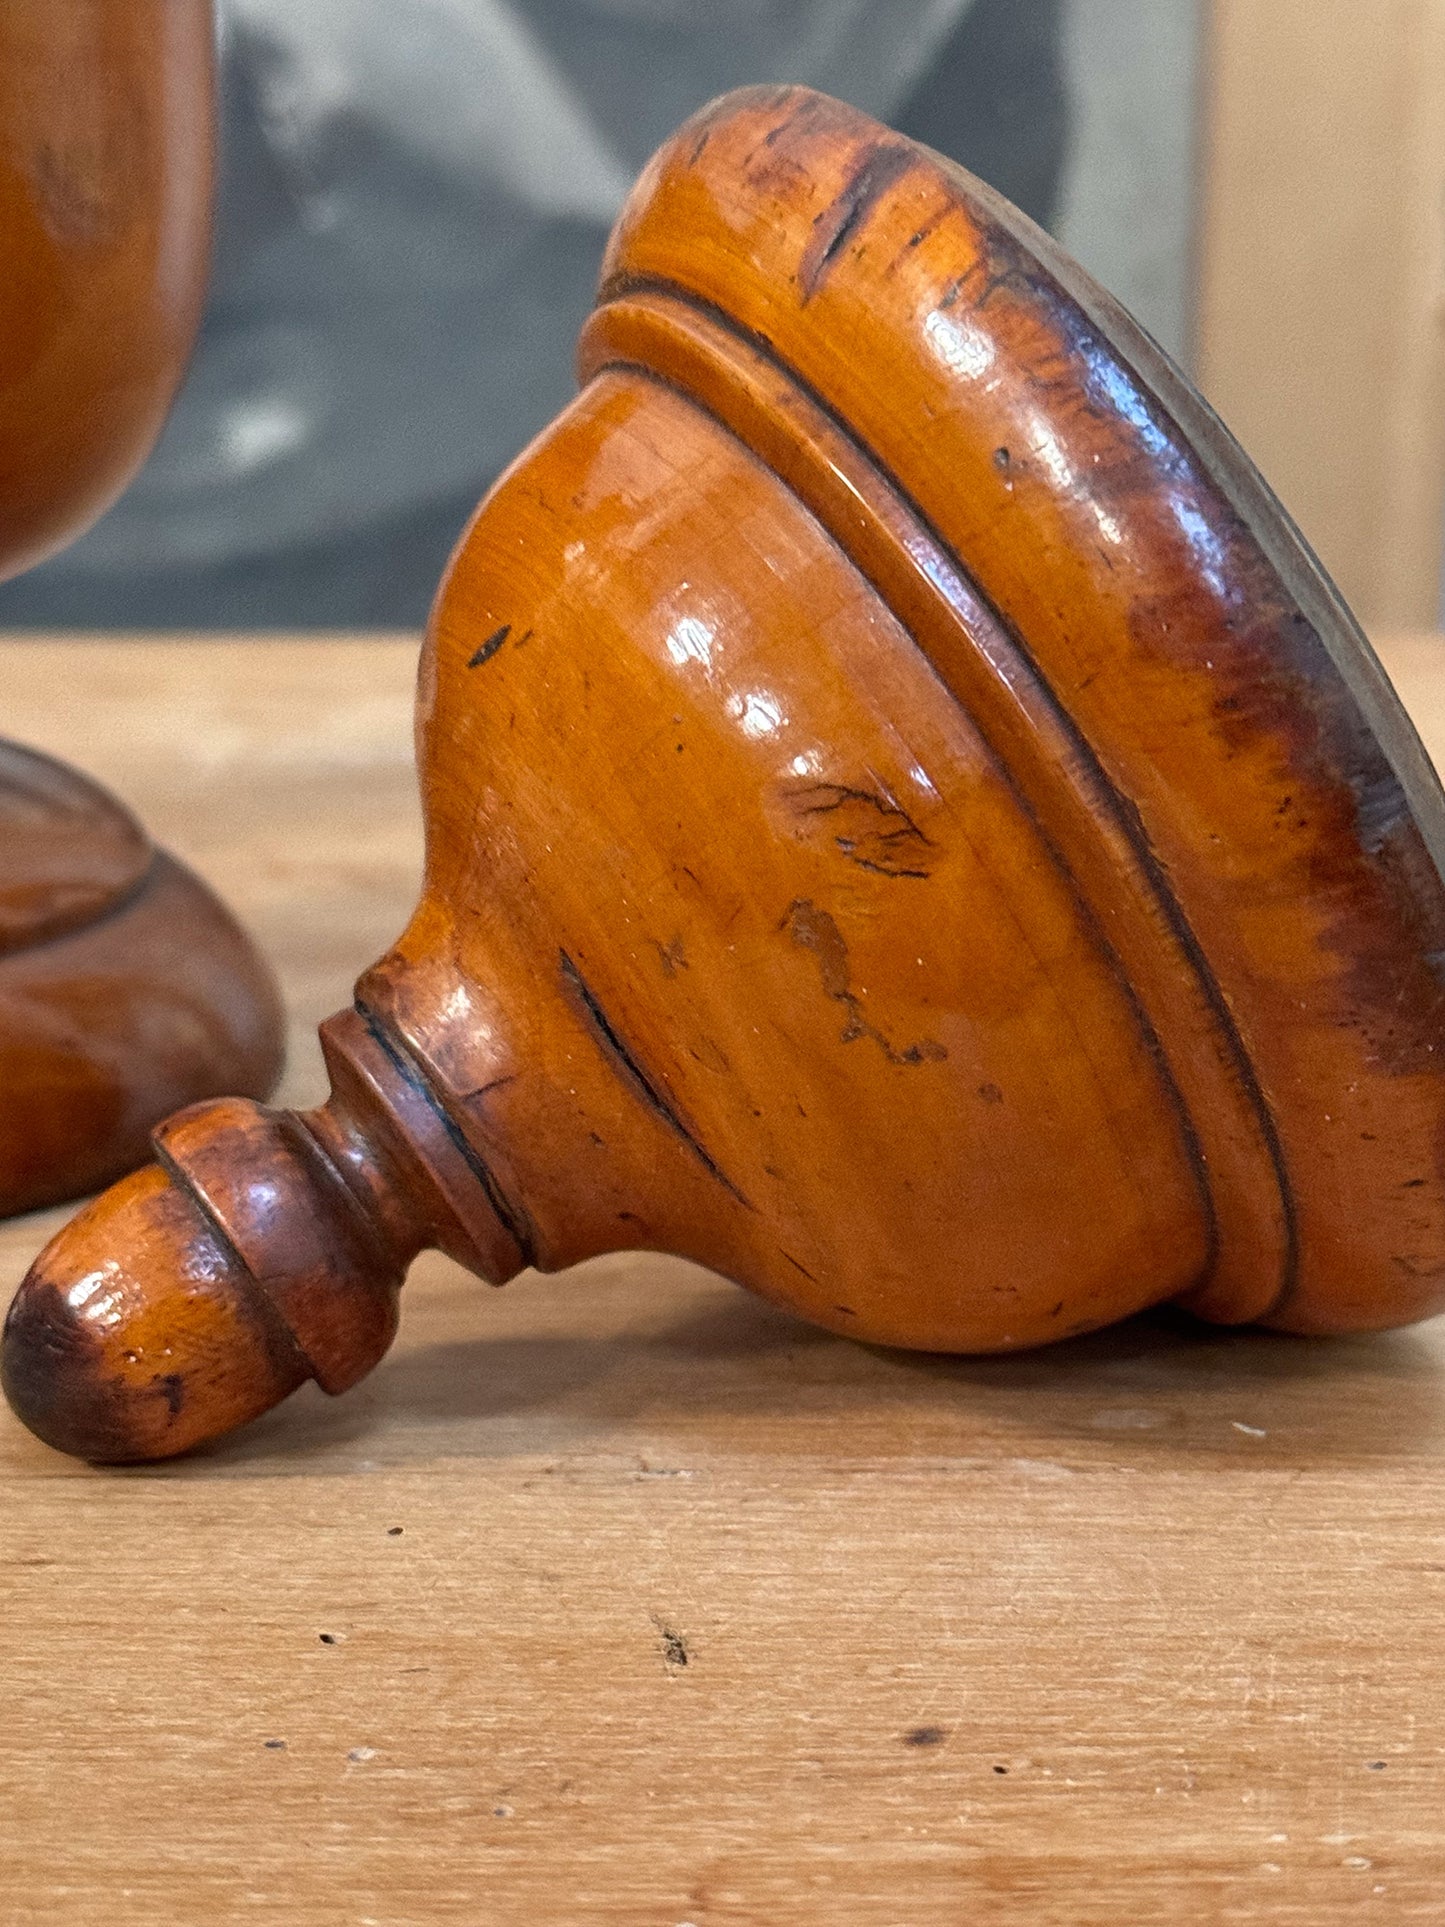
125,988
909,826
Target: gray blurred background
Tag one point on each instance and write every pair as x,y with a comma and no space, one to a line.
415,198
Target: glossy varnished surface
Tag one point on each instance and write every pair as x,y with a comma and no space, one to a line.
909,826
1207,671
105,208
1183,1586
845,981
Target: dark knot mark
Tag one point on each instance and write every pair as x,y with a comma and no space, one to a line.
624,1059
881,165
813,929
493,643
868,827
674,1646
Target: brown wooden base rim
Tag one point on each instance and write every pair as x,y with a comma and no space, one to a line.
166,938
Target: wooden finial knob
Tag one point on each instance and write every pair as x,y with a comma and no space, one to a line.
264,1248
138,1334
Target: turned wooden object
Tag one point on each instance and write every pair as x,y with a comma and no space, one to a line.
909,826
106,179
125,988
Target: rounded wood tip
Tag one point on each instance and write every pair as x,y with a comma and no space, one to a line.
264,1248
137,1335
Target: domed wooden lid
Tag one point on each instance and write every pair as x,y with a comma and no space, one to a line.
1096,570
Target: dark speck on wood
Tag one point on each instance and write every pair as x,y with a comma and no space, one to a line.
925,1736
490,647
672,956
674,1646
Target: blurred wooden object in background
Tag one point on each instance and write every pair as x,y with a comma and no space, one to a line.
1321,324
124,986
106,180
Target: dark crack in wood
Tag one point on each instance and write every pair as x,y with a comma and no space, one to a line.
626,1061
869,827
835,227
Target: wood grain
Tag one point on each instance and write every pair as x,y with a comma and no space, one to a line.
1146,1627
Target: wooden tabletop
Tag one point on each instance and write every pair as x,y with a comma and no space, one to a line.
619,1598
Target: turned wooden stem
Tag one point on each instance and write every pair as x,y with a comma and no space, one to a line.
262,1248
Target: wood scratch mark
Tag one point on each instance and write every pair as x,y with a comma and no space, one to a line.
835,227
645,1085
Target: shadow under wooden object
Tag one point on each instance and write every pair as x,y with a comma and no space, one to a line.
125,988
910,828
